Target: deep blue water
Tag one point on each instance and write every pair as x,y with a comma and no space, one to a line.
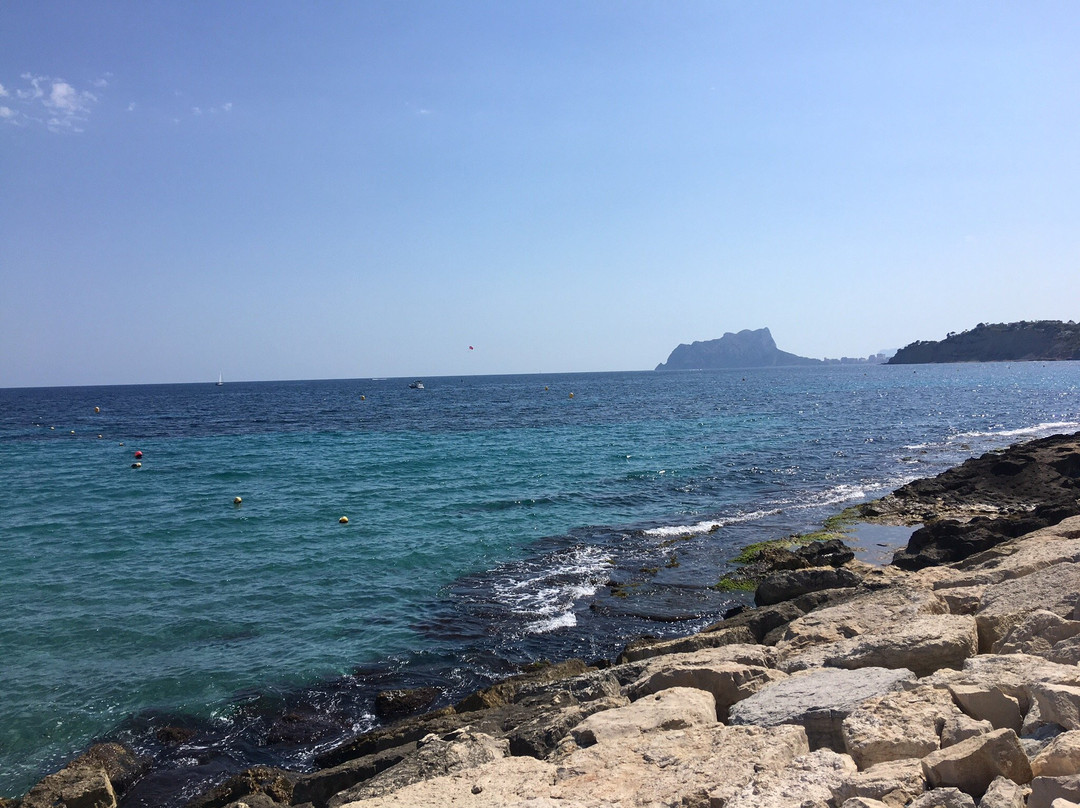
489,518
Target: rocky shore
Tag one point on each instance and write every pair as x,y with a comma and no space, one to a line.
947,678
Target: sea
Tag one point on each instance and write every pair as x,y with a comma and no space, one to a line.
492,522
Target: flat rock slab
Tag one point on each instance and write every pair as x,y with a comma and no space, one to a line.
817,700
729,682
674,708
922,645
709,764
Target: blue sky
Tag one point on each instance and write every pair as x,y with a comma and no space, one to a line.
281,190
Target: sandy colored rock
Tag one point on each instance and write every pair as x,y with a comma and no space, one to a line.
1058,704
728,682
817,700
711,762
674,708
1059,757
873,612
1004,793
943,798
1007,604
899,725
894,782
1045,790
1037,634
989,704
923,645
973,764
808,780
73,787
961,727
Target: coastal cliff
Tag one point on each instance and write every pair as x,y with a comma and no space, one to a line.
846,685
746,349
1039,340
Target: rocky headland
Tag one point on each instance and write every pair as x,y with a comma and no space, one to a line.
1041,340
746,349
947,678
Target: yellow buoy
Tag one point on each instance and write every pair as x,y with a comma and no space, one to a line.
571,395
73,432
136,465
97,409
343,520
236,500
363,398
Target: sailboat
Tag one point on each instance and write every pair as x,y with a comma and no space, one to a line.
219,381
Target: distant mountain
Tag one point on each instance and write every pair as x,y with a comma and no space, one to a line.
1000,342
747,349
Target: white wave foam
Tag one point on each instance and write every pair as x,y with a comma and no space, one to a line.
565,619
1048,427
708,526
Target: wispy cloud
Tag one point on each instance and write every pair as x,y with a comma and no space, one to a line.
50,102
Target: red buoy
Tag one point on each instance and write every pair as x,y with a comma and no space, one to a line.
138,454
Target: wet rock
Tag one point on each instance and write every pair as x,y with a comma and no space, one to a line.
266,780
817,700
92,780
760,621
504,692
398,703
973,764
792,584
735,635
320,786
435,757
403,732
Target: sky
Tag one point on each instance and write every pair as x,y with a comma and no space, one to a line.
283,190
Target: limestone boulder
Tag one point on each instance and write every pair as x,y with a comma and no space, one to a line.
1037,634
435,757
1046,790
1005,605
989,703
1031,553
973,764
1065,652
1058,704
540,735
875,612
725,636
1011,673
73,787
898,725
961,727
1004,793
894,782
922,645
1058,758
810,779
674,708
943,798
791,584
818,700
703,765
728,682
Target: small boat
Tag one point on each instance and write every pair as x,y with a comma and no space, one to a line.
417,385
219,381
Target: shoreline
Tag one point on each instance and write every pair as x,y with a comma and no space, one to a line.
939,504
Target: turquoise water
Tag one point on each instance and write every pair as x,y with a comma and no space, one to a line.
489,520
